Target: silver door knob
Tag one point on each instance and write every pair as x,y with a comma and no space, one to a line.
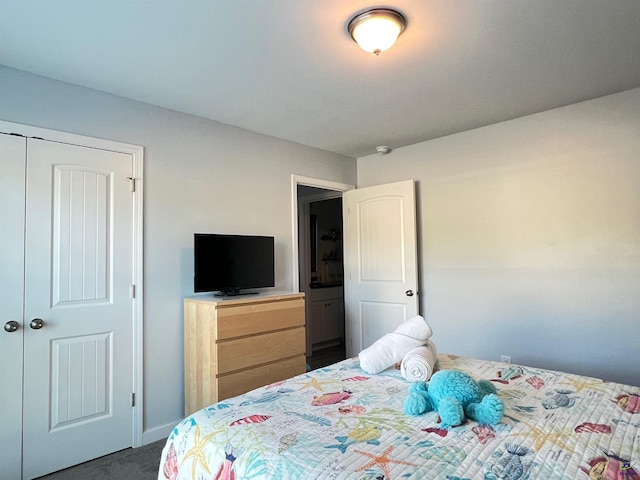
11,326
409,293
36,323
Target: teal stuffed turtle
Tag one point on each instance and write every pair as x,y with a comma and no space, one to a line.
455,395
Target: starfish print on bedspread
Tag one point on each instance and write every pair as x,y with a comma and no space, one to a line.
317,384
579,384
197,452
558,438
382,461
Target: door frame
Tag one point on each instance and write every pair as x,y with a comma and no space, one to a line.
137,153
309,182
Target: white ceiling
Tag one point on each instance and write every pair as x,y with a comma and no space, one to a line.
288,68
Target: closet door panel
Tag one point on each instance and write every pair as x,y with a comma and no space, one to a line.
81,229
12,192
78,275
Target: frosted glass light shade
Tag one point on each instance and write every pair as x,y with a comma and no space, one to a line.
376,30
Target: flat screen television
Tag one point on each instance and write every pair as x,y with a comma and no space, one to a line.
229,264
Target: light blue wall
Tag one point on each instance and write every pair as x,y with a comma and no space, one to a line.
529,237
200,175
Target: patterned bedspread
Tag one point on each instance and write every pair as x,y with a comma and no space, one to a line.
341,423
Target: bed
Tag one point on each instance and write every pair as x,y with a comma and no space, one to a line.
340,423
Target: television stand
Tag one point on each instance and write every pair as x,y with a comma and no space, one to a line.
235,345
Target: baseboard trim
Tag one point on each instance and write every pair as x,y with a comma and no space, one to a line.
158,433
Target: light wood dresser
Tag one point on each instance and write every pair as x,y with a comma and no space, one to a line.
232,346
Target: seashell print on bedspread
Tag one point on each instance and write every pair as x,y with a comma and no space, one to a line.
339,422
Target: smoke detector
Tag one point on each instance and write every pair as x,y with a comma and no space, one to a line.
383,149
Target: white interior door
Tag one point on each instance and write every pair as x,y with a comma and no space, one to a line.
12,171
380,250
78,358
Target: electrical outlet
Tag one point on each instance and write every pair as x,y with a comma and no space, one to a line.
505,358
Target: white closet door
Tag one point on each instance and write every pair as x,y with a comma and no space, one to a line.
12,168
78,361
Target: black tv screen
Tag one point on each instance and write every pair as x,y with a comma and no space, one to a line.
230,263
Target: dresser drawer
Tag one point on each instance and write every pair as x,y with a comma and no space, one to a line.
259,317
240,382
252,351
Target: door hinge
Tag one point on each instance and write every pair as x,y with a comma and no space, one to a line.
133,399
133,291
132,184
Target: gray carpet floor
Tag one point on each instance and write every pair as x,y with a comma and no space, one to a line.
131,464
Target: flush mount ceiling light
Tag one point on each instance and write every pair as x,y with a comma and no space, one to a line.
376,30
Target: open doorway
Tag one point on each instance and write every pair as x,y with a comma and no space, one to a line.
318,235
